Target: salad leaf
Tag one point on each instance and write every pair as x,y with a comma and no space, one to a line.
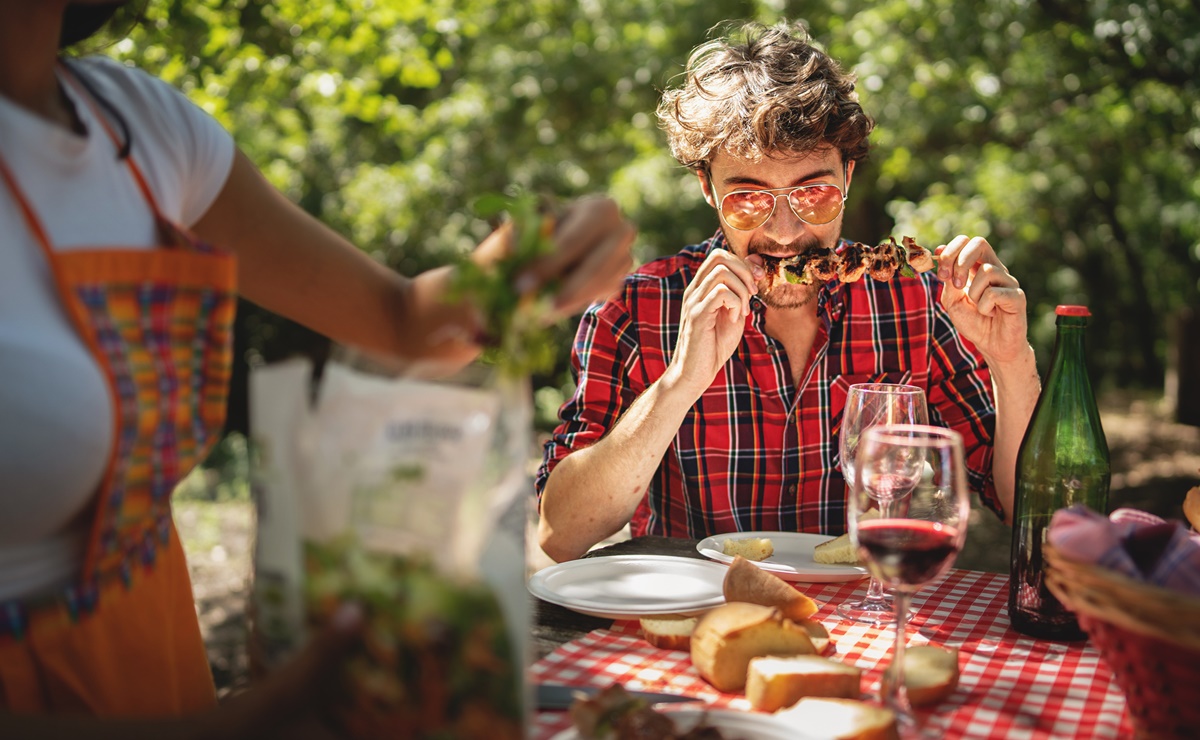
517,323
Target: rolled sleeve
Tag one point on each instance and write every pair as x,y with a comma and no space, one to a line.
600,359
960,398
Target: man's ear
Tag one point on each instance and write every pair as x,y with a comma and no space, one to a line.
849,174
705,187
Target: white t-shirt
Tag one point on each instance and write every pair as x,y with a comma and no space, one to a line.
55,413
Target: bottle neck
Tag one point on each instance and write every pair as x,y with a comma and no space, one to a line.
1068,346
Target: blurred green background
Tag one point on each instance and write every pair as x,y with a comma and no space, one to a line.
1067,132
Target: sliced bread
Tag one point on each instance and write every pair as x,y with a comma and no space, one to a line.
745,581
773,683
751,548
728,637
671,632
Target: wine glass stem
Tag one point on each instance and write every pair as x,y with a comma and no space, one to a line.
894,693
875,587
874,590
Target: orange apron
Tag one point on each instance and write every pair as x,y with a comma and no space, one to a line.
124,640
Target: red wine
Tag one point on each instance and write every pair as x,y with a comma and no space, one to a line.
906,552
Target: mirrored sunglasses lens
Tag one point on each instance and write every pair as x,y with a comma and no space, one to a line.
747,211
816,205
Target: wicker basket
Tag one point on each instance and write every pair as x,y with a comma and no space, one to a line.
1149,636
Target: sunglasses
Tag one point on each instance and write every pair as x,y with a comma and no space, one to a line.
746,210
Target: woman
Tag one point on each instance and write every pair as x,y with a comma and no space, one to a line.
129,220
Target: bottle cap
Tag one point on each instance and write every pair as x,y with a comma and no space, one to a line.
1072,311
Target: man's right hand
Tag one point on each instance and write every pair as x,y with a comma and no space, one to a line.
712,320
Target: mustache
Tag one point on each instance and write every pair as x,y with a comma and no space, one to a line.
771,248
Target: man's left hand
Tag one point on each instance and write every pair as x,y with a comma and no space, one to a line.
984,301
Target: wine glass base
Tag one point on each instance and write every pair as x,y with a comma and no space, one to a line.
870,612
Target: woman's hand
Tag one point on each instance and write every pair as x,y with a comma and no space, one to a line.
591,255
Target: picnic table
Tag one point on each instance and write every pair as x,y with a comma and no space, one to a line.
1011,686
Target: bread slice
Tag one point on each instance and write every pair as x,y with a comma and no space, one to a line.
751,548
838,551
747,582
669,631
773,683
930,673
843,719
728,637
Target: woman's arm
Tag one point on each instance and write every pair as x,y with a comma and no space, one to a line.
292,264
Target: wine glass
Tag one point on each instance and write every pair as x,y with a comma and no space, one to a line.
921,530
868,405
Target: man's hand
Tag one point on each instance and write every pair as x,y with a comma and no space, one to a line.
984,301
713,318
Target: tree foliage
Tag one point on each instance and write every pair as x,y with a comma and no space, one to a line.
1066,132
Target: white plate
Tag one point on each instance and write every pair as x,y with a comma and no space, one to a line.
632,586
792,560
731,723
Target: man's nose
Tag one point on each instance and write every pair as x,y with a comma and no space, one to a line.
784,226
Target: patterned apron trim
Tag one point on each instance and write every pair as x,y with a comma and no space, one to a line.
159,323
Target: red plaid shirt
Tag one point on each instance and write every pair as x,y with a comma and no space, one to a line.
755,452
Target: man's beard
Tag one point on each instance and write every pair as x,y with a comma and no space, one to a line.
785,295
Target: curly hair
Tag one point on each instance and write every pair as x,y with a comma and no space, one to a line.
761,90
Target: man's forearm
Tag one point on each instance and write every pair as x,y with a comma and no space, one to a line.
1016,385
593,492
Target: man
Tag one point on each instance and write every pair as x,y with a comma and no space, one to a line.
710,392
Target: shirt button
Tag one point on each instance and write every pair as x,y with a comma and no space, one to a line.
791,490
771,349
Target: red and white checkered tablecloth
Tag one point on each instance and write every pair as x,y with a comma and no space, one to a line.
1011,686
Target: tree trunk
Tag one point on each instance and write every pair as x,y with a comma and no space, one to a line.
1184,371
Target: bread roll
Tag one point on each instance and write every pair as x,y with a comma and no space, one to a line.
672,632
930,673
727,637
751,548
773,683
843,719
747,582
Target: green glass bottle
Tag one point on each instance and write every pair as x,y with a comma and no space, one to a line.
1063,460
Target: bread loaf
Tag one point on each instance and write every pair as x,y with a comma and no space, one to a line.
930,673
843,719
773,683
747,582
728,637
751,548
817,633
671,632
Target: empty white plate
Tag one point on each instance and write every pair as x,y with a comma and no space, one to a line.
632,586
